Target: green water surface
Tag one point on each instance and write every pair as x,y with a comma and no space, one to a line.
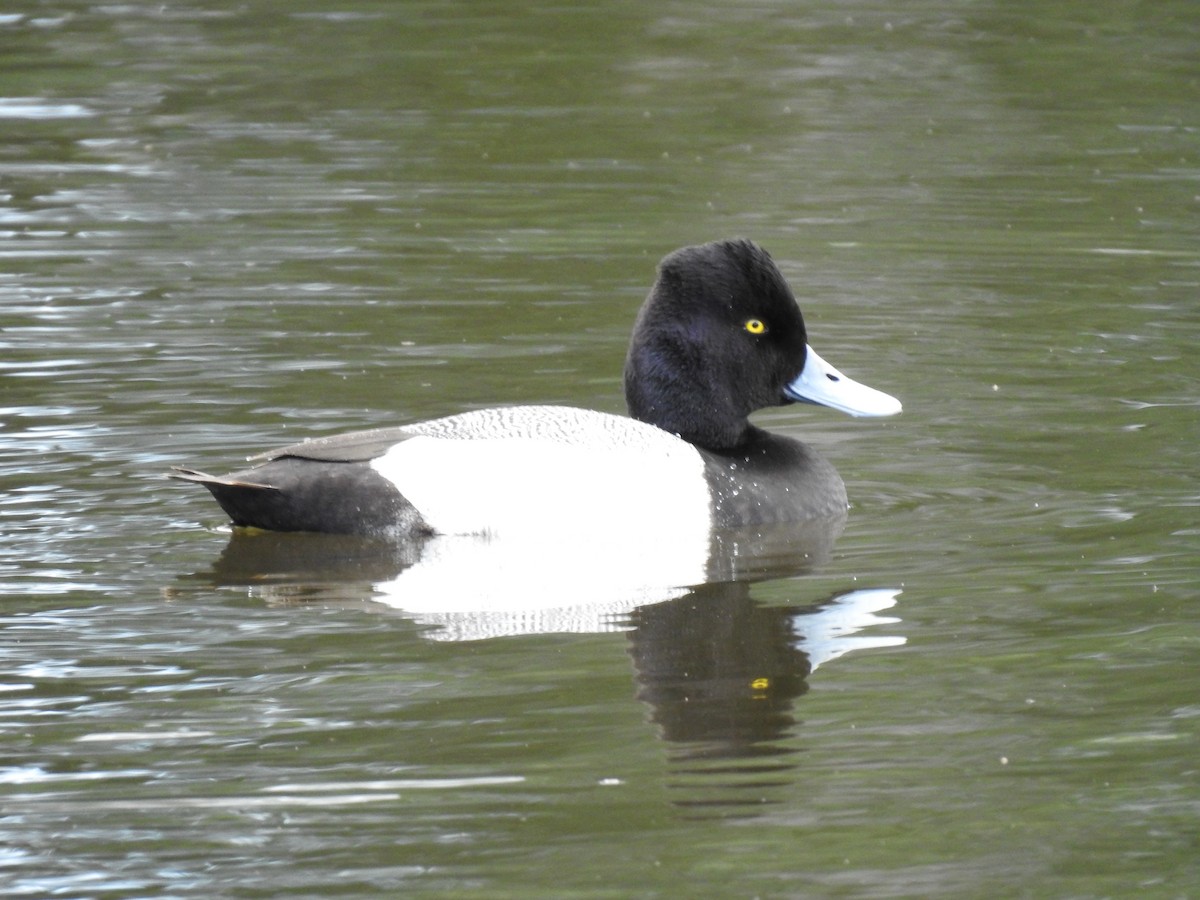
226,226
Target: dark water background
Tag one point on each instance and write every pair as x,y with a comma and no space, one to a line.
224,227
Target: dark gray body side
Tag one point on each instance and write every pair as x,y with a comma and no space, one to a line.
325,485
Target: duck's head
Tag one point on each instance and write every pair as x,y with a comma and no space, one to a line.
719,336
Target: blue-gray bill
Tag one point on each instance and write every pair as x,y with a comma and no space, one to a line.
822,384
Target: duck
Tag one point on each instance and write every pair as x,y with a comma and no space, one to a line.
719,336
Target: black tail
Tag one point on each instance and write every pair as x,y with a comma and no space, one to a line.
294,494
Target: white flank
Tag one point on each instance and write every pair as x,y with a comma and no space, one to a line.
533,469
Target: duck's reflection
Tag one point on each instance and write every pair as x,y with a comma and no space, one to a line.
720,673
718,670
472,588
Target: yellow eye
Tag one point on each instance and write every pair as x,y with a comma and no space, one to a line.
755,326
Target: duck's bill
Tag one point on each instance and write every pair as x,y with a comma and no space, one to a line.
821,383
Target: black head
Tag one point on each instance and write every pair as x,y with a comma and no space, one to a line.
719,336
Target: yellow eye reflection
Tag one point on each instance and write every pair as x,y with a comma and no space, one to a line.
755,326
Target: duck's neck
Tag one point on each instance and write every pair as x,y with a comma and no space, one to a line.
654,387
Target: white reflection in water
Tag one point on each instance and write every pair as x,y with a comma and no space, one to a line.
39,108
474,588
833,630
